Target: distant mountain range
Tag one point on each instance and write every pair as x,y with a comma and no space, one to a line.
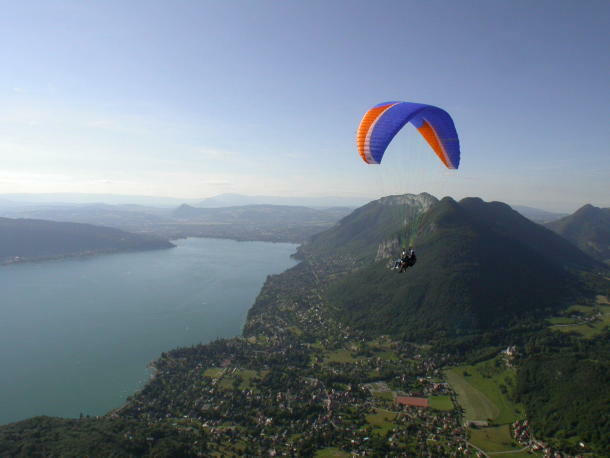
233,200
221,200
66,198
537,215
30,240
131,218
262,214
274,223
480,265
588,228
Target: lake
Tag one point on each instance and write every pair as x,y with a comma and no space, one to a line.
77,334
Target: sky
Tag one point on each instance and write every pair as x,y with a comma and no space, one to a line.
191,99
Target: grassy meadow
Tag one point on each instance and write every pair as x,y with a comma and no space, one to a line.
482,391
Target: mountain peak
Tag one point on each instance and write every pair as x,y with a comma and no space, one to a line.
408,199
423,201
449,201
588,228
587,209
477,202
480,265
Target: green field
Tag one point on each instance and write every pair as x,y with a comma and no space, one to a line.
380,342
382,420
482,391
213,372
317,345
493,439
295,330
477,406
339,356
561,320
386,395
441,402
580,308
331,452
586,330
227,376
388,355
481,394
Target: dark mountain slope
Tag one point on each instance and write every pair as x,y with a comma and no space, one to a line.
31,239
588,228
503,220
468,276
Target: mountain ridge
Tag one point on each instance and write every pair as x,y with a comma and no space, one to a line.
232,199
588,228
476,260
35,239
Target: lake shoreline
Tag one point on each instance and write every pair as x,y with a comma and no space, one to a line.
117,315
88,254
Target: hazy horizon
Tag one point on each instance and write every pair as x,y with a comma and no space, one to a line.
191,100
166,201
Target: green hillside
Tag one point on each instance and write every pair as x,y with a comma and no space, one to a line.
359,234
31,239
503,220
563,382
471,274
588,228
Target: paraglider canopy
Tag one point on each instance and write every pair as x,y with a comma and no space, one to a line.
382,122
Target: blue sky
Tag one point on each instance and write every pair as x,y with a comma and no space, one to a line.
196,98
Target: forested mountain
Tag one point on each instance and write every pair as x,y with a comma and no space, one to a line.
379,225
564,384
31,239
480,265
588,228
505,221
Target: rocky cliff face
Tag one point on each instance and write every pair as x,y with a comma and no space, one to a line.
414,207
420,202
388,249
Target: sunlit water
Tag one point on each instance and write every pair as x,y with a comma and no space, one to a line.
76,335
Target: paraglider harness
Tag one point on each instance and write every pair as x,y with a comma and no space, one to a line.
405,262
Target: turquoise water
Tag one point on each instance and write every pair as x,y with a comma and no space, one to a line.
76,335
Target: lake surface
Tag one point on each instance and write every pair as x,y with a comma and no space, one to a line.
76,335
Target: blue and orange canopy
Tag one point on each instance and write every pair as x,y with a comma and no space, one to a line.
382,122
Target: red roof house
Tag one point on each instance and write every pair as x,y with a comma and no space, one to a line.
413,402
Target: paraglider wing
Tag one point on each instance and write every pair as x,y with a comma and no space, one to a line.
382,122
